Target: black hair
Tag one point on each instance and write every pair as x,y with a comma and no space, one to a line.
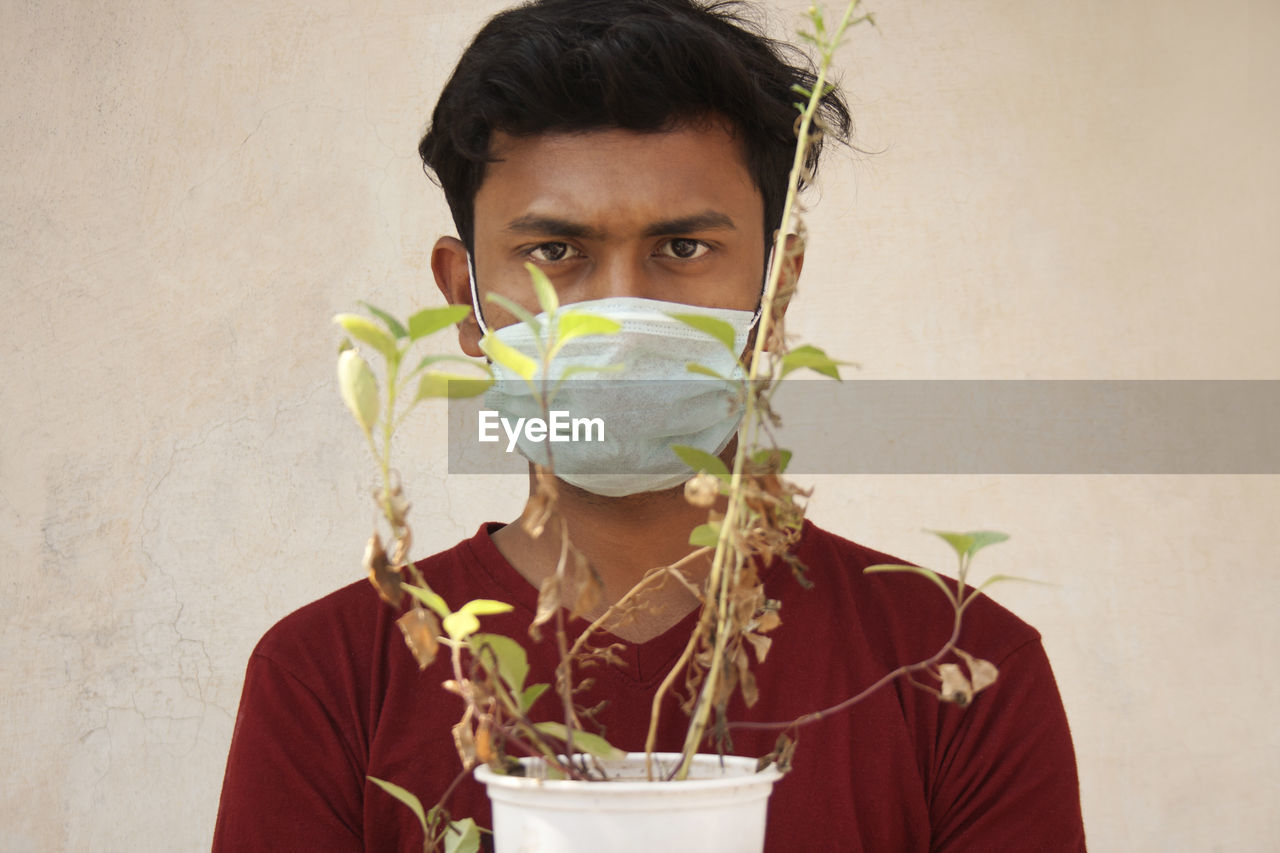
643,65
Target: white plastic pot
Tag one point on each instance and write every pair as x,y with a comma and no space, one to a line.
717,810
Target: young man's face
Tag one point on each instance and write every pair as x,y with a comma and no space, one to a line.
673,216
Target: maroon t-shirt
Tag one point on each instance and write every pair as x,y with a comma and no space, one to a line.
332,695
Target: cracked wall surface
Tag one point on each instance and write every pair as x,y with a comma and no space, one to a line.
192,190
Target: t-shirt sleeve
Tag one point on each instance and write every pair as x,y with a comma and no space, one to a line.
1006,777
293,781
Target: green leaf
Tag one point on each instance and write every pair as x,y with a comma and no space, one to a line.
530,695
519,311
428,321
995,579
545,290
713,326
694,367
701,460
983,538
463,836
509,357
364,329
959,542
587,742
813,358
763,457
705,535
429,598
359,389
485,607
919,570
577,324
392,324
460,625
403,796
453,385
968,544
512,661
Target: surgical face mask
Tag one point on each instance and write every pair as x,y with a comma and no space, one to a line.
616,428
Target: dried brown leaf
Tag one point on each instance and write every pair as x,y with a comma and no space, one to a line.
421,629
955,686
760,645
465,742
982,673
381,574
702,489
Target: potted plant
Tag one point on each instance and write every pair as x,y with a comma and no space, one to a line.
555,784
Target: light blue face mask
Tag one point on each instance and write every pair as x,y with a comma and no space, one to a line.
643,409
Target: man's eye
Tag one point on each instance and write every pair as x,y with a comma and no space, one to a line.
553,252
684,248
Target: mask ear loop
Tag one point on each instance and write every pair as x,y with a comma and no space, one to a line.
475,295
768,271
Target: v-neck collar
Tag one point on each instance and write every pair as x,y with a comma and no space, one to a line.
640,663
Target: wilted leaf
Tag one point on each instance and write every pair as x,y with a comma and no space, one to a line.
774,458
359,389
364,329
549,601
982,673
590,589
537,510
702,489
955,687
465,742
760,645
511,659
713,326
420,628
384,579
428,321
783,751
400,553
586,741
463,836
403,796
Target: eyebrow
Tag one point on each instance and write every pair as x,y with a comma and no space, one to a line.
532,223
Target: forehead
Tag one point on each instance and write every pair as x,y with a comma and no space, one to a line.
619,179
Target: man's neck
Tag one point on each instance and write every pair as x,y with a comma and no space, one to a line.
623,538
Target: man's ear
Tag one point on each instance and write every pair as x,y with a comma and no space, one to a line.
453,277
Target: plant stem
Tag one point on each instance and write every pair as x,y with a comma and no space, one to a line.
723,579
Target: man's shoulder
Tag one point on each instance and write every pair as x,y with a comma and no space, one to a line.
346,621
905,603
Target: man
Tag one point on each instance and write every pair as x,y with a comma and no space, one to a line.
638,150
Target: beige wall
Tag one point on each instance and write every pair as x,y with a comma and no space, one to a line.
191,190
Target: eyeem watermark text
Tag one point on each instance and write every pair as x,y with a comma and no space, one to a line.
560,427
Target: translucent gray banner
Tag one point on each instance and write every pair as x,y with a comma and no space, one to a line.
974,426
